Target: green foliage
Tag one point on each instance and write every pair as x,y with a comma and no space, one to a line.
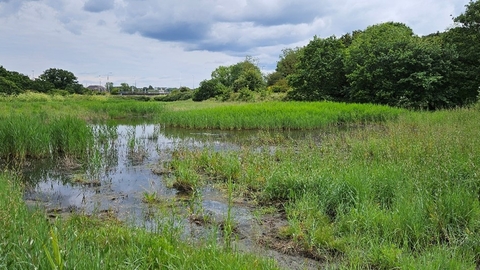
61,79
8,87
319,74
234,78
466,40
471,17
387,64
207,89
280,86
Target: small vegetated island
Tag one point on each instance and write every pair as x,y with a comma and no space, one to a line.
393,181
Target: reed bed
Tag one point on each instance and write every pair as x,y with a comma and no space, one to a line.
404,194
278,115
28,240
41,136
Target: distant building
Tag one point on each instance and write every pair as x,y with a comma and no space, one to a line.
98,88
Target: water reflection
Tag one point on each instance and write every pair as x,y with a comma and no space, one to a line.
118,172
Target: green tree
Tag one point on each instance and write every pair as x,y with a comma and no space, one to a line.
246,74
124,87
388,64
42,86
8,87
277,80
223,75
225,80
207,89
17,82
466,40
61,79
319,74
288,61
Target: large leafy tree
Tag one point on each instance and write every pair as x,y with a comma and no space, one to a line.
319,74
207,89
61,79
466,39
388,64
245,75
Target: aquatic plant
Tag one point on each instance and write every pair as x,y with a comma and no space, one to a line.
39,137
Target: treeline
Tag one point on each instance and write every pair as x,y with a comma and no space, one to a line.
51,80
383,64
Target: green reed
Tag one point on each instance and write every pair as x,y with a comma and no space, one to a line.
39,136
278,115
402,194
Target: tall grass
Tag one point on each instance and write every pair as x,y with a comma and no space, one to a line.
40,136
29,241
402,194
278,115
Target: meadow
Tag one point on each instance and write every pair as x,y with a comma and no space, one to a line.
390,189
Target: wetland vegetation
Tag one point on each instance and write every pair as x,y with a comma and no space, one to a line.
365,187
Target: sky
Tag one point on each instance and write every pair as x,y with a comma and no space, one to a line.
173,43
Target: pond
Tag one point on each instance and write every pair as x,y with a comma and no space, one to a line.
121,174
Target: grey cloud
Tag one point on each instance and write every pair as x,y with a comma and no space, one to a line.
10,7
180,32
194,23
98,5
276,12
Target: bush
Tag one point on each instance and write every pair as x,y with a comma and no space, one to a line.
175,95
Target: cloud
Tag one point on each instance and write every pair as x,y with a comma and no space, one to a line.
98,5
216,26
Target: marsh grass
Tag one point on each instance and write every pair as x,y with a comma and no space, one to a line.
278,115
28,239
24,137
402,194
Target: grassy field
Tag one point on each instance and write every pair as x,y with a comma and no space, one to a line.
395,189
